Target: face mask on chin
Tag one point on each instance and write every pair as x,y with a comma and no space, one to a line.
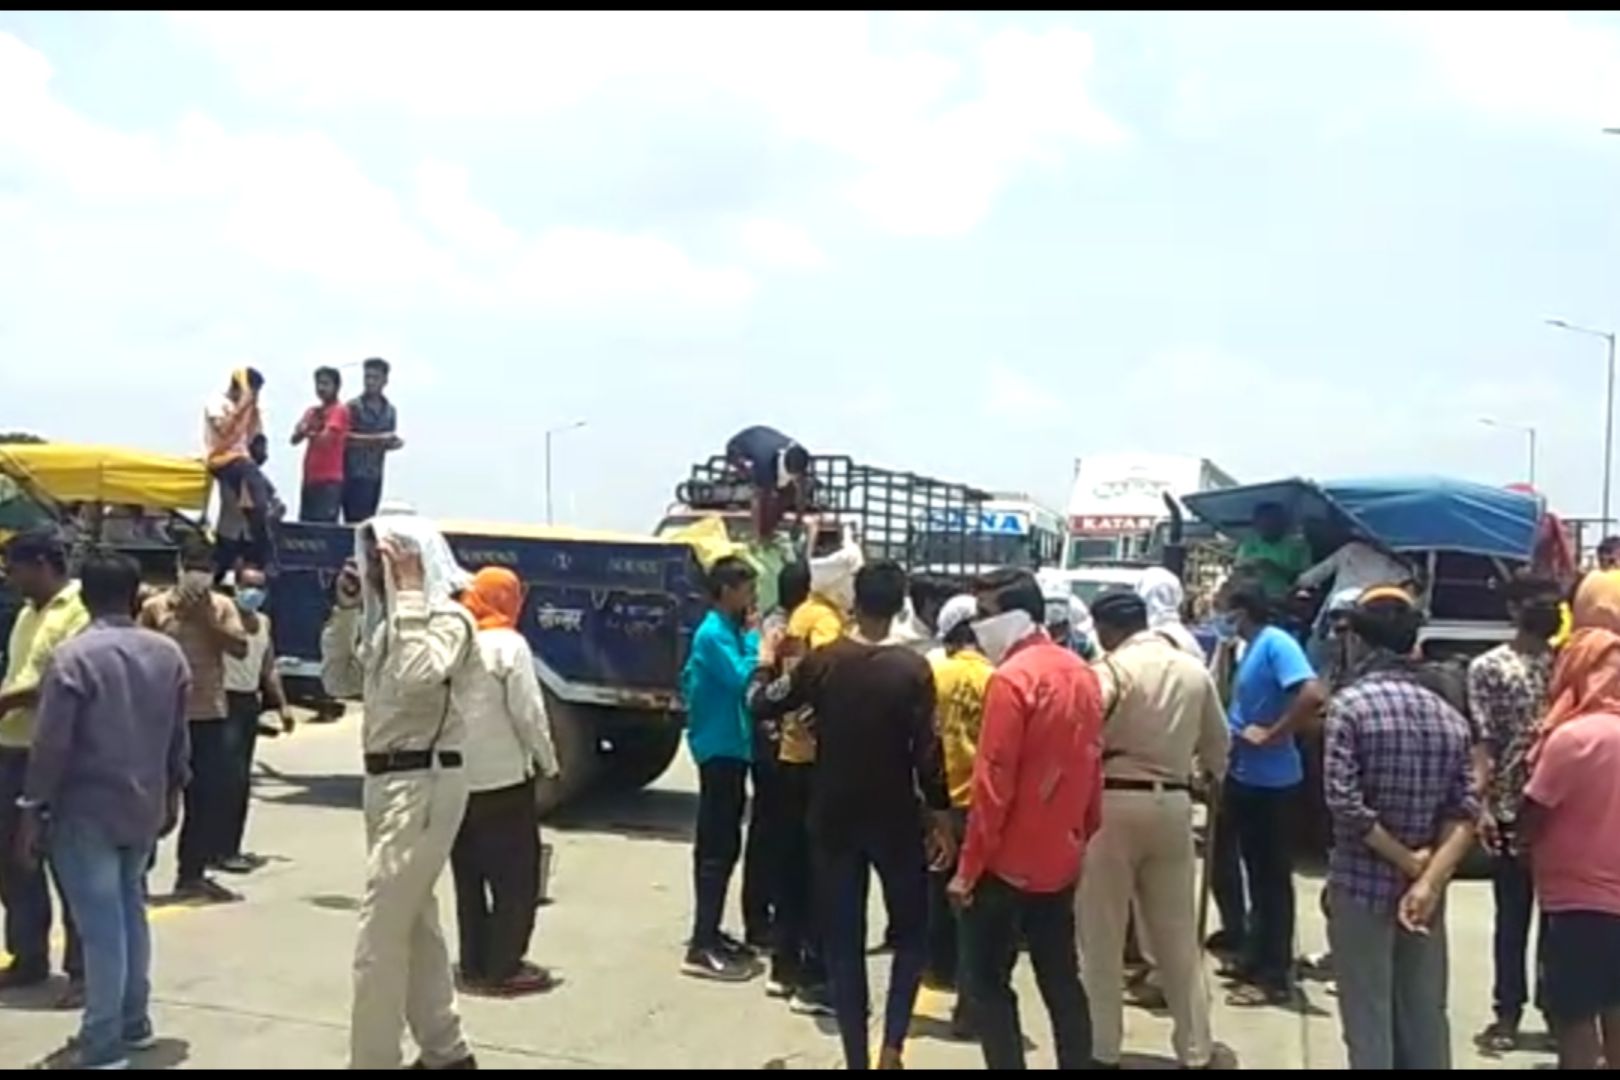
998,634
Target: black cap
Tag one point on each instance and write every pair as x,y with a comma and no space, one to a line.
36,545
1119,607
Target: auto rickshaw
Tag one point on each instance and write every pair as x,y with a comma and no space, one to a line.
1461,539
140,504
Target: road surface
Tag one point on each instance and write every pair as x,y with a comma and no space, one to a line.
265,984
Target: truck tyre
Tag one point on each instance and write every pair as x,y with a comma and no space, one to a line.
574,736
639,758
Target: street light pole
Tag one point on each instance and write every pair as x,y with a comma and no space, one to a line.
1608,409
550,434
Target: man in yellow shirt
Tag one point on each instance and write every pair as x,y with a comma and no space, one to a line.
961,676
812,597
37,572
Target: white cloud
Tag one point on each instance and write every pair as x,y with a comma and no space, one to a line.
1533,65
925,168
300,204
1012,396
781,244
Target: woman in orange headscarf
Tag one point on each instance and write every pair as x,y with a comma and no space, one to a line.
496,861
1572,806
1586,678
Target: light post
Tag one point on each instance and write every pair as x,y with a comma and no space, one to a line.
1529,434
550,434
1608,408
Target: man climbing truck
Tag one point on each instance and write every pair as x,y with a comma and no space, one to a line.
777,467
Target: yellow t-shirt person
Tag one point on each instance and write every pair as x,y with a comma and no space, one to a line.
960,680
814,623
34,636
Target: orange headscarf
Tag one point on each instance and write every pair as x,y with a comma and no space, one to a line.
1586,678
495,598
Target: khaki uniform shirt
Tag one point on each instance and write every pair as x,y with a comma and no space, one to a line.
1163,719
404,673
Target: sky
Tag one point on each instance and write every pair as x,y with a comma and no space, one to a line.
971,245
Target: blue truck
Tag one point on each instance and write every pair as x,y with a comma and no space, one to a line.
608,617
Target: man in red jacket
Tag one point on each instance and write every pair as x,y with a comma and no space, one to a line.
1037,801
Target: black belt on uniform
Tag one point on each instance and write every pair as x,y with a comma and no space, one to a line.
405,761
1173,786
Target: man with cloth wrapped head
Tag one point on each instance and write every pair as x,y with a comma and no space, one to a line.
399,640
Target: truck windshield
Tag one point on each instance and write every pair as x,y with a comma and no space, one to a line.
943,548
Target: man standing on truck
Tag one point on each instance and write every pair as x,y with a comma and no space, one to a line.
373,435
1275,555
325,428
1507,696
37,570
777,467
720,733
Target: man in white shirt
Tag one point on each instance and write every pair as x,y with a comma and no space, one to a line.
496,860
252,684
1357,565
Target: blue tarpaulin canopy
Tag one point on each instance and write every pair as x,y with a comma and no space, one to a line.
1403,514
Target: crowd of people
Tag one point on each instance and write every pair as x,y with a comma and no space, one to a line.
127,715
1011,787
1052,803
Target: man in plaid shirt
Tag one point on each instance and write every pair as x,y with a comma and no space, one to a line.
1398,777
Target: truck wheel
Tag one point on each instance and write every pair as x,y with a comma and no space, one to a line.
574,736
639,758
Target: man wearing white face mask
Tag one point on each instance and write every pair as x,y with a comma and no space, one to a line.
1037,801
208,629
252,683
399,640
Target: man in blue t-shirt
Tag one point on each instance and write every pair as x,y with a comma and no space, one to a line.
1275,693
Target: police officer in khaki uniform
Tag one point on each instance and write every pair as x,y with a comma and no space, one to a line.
399,640
1164,725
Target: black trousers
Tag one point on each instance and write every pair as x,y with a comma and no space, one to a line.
1254,879
799,954
241,745
243,477
205,830
496,865
993,925
1514,893
944,926
25,888
321,503
762,850
361,497
722,803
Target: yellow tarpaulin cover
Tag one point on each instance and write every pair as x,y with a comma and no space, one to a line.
709,540
100,474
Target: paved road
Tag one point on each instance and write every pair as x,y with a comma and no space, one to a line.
265,985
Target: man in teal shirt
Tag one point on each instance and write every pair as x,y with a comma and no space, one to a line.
1275,556
720,734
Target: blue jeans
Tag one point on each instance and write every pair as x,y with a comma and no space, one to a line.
843,876
103,883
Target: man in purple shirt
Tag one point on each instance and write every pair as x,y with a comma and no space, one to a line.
1398,776
109,762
